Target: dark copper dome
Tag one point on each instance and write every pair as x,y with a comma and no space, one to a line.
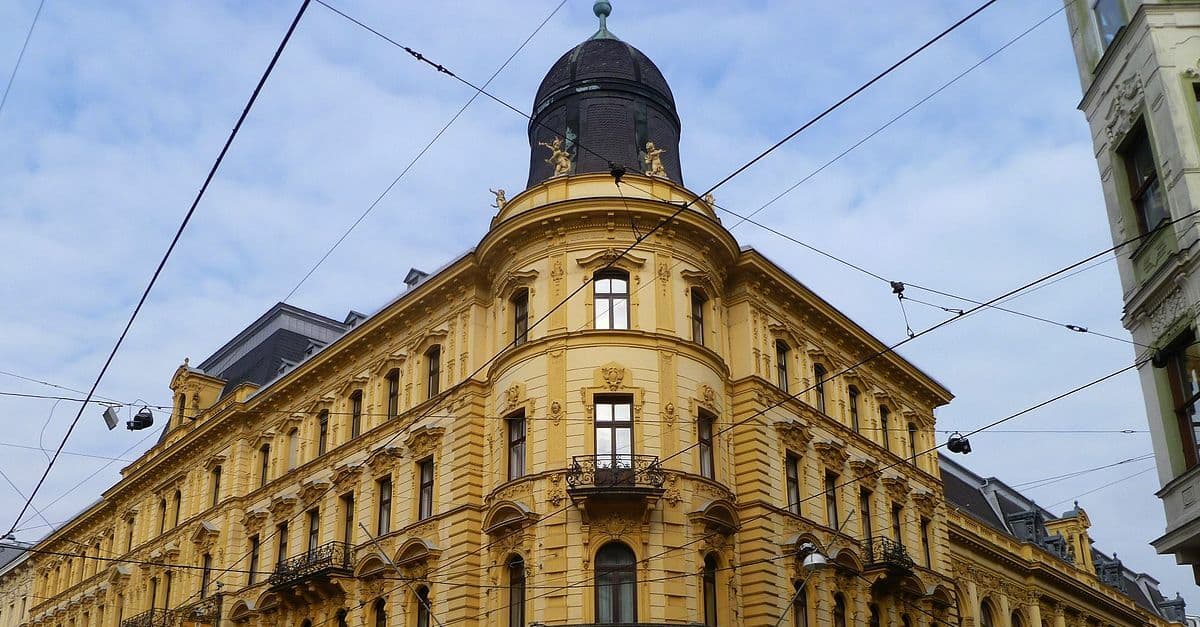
606,100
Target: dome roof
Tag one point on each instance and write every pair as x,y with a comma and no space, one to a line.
603,101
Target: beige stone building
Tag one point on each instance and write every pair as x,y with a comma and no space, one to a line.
562,426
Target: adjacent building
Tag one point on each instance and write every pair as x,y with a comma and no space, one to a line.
1139,66
565,426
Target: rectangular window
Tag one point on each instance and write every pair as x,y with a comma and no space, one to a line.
433,382
383,519
853,393
314,529
205,575
611,299
781,364
698,302
794,470
347,503
356,406
831,501
819,386
425,502
129,533
252,576
393,393
516,445
925,544
1183,371
264,463
883,427
520,305
216,485
1145,192
614,432
864,512
1110,19
322,432
282,532
897,523
704,436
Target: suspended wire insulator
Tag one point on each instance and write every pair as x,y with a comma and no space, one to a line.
897,288
1076,328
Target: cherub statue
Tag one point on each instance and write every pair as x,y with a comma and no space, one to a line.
709,199
500,199
559,157
653,160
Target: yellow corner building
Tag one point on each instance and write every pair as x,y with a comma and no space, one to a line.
606,412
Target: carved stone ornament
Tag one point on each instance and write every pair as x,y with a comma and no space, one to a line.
926,502
833,454
560,157
383,459
671,494
896,487
556,411
708,397
1170,309
794,435
669,413
513,396
556,271
501,200
653,161
1124,108
253,520
557,492
283,505
614,375
614,525
311,491
865,470
205,535
424,441
346,477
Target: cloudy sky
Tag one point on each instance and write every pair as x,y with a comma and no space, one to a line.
119,109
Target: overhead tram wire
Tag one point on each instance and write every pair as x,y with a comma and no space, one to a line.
442,69
21,55
54,385
422,152
163,262
1097,489
1045,481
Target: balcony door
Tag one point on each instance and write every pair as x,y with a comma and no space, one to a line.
614,439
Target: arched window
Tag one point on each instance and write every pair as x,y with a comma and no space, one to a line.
182,406
516,592
380,611
781,364
839,610
341,618
905,621
178,502
698,302
986,616
710,591
306,623
1016,620
393,392
883,427
162,515
611,299
293,444
423,610
800,606
874,620
516,445
853,393
912,442
819,386
216,485
616,584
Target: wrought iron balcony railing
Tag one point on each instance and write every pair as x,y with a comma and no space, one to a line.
160,617
328,556
886,553
615,471
204,612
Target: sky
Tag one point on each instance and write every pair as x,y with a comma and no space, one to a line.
118,110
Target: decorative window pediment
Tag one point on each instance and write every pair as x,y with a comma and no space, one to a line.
505,517
601,258
424,440
717,516
513,281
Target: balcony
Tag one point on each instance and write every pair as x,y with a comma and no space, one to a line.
615,480
161,617
319,565
888,555
204,612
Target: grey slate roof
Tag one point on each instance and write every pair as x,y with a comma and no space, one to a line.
999,506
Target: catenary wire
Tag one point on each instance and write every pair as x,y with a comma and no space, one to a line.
21,55
422,152
1097,489
1045,481
163,262
55,385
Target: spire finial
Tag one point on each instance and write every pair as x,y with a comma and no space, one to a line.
602,9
